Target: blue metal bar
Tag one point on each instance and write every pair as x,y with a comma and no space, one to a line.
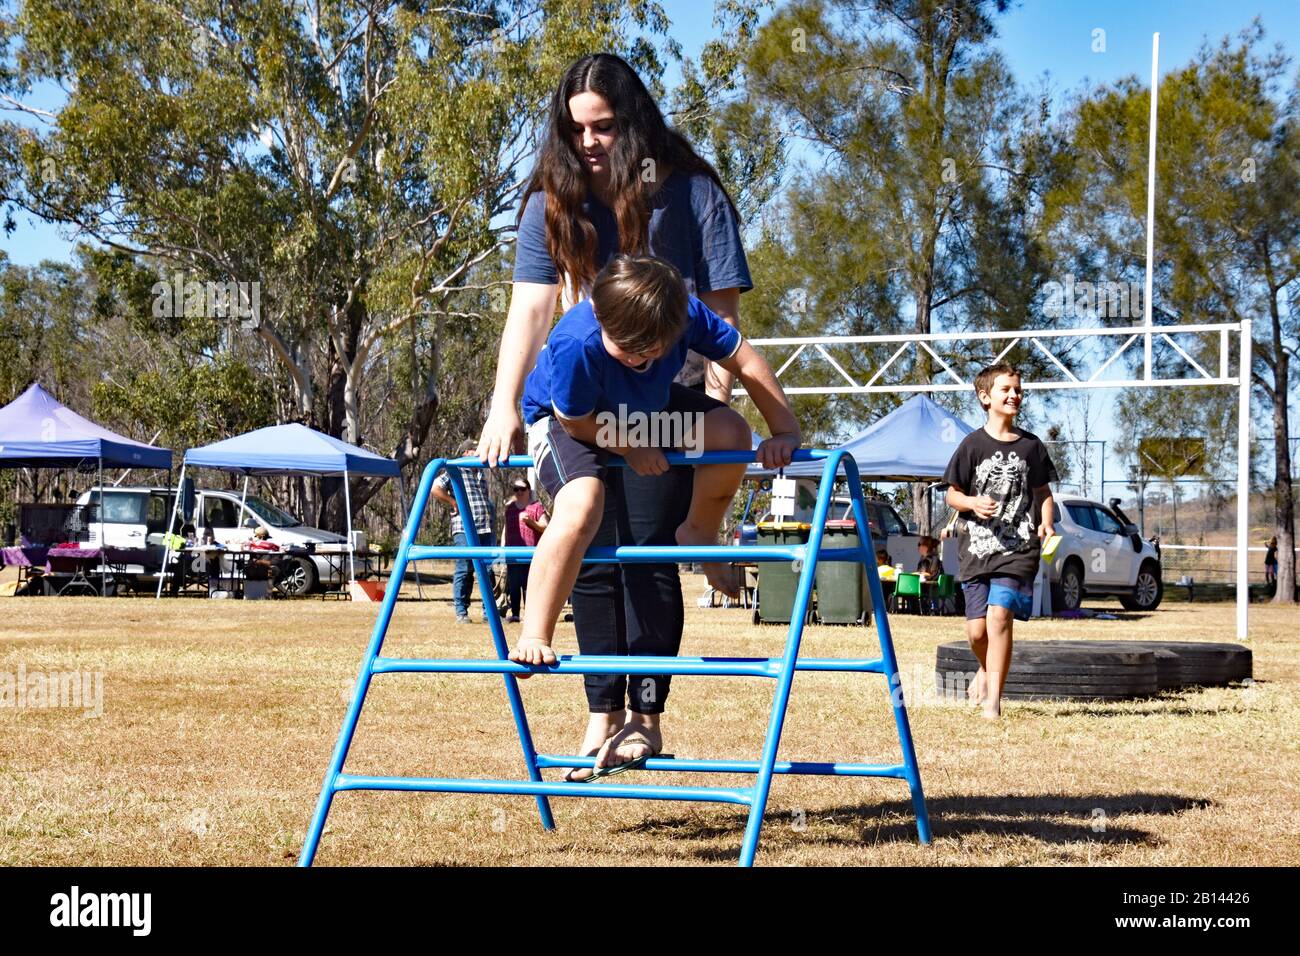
493,617
377,633
799,768
641,553
673,457
614,664
890,661
781,699
544,788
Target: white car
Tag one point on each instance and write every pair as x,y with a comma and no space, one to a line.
1102,553
136,517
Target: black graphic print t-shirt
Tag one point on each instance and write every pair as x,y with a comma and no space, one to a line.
1008,472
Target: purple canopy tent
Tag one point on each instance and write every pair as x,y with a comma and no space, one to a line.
37,431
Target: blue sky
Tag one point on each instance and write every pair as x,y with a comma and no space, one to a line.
1042,40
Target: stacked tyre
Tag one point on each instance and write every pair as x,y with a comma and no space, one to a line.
1098,670
1046,670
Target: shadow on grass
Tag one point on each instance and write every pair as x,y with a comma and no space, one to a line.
1171,703
1091,819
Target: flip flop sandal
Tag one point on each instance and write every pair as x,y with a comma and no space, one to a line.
636,763
568,774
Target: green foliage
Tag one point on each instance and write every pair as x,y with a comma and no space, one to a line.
918,212
187,405
1227,225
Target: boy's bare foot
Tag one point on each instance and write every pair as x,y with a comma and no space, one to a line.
992,710
600,727
721,577
532,650
639,737
978,689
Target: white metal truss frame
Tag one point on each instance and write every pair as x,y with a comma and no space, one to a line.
949,380
1046,341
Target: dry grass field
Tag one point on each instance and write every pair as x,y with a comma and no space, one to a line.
219,717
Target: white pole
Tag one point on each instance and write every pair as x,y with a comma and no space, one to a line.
347,504
1243,482
243,498
1151,201
167,535
103,545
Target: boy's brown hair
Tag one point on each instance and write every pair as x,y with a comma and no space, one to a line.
989,374
640,302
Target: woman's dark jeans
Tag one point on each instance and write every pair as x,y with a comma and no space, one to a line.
633,609
516,585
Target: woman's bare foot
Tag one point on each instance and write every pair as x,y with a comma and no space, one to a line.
978,689
600,727
721,577
532,650
640,736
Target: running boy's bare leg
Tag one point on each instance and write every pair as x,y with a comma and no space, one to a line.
998,659
556,562
978,638
715,487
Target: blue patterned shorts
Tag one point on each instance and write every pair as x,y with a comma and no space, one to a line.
1000,590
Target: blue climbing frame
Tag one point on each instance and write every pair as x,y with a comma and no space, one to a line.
782,668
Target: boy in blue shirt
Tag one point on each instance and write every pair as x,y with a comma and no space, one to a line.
603,385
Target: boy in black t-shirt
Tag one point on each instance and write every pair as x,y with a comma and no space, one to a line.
999,477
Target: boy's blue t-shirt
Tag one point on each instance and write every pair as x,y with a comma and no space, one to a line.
575,376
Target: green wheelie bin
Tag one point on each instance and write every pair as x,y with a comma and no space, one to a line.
840,584
777,580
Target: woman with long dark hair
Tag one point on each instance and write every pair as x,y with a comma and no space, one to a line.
612,177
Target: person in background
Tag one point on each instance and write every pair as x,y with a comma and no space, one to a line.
929,565
261,541
886,570
1270,563
525,521
483,517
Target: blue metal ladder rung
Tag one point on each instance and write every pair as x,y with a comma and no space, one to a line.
596,664
684,765
546,788
806,557
638,553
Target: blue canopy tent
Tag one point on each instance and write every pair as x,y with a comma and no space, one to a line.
911,443
37,431
291,450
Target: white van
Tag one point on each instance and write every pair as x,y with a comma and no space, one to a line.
136,517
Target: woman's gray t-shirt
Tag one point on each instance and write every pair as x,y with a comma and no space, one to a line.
692,225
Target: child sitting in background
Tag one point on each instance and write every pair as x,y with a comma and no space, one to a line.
930,565
886,570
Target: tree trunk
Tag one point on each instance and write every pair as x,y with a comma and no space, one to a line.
407,452
331,508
